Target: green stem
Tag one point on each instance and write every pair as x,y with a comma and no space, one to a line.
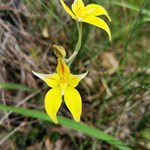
78,46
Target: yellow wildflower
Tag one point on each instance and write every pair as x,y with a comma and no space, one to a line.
88,14
63,83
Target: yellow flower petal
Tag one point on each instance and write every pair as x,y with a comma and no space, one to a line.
62,69
52,80
67,9
99,23
95,10
74,80
72,100
78,7
53,101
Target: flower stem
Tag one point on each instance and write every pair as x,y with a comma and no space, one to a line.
78,46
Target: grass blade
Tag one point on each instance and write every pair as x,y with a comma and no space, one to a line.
91,131
128,6
14,86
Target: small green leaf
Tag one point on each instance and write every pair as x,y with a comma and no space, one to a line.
146,133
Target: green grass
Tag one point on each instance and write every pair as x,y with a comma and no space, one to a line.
80,127
124,115
14,86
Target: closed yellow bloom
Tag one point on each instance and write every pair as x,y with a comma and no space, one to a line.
63,84
88,14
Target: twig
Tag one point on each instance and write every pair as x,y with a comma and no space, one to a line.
12,132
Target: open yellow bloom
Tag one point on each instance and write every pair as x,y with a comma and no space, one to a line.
63,83
88,14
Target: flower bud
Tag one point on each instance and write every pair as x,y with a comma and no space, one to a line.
59,51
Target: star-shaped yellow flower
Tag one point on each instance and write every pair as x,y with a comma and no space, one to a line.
88,14
63,83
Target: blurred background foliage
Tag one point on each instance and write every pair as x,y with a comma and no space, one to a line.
116,91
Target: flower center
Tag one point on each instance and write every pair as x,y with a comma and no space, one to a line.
63,85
